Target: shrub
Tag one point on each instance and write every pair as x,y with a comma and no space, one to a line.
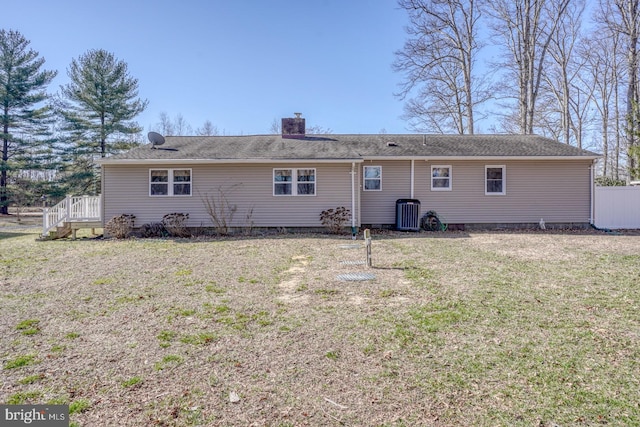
220,209
606,181
154,229
334,219
120,226
174,223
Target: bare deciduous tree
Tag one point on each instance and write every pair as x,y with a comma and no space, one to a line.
177,126
562,71
438,61
208,129
527,27
622,17
600,54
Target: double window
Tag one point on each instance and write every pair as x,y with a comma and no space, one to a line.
294,182
495,180
170,182
441,178
372,176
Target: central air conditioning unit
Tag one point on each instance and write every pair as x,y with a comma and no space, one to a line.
408,215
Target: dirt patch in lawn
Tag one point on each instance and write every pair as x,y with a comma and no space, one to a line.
466,329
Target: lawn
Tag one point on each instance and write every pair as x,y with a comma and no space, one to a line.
475,329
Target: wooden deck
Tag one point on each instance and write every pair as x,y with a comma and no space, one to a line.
70,215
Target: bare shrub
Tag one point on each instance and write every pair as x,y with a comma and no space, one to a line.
248,229
120,226
220,209
335,219
174,223
154,229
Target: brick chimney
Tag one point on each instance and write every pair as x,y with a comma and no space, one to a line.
293,127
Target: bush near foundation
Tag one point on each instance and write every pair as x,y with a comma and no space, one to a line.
335,219
120,226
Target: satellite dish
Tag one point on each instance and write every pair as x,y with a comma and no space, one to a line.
155,138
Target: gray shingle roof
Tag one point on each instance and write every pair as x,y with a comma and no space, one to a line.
349,147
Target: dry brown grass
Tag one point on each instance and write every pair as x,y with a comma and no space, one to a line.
456,329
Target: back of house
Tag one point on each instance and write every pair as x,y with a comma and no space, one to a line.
287,180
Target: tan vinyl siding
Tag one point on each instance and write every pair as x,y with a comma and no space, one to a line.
553,190
379,207
249,187
557,191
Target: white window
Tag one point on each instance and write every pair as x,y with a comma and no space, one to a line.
170,182
372,178
495,180
441,178
294,182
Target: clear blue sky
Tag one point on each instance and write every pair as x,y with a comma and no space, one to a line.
238,63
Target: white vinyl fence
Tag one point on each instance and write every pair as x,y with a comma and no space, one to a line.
617,207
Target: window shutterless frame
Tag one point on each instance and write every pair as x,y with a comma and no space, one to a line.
372,178
495,180
441,178
172,182
294,181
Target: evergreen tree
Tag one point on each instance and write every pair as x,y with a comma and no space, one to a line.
102,103
23,118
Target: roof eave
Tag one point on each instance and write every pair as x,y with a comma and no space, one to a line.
133,162
489,158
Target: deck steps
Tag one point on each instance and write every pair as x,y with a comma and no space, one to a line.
70,228
70,215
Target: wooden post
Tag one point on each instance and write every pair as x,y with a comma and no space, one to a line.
67,201
45,220
367,244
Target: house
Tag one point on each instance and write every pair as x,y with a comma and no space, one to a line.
287,180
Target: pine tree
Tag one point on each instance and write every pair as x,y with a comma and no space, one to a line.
22,115
102,103
99,107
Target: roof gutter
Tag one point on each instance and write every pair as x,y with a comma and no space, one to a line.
491,158
142,162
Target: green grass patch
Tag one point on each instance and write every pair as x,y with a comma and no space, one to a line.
28,327
31,379
20,398
332,355
435,317
78,406
221,309
102,281
326,292
168,360
214,289
203,338
166,337
20,361
388,293
131,382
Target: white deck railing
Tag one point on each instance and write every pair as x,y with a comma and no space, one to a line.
72,208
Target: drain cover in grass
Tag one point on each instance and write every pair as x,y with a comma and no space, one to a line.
356,276
353,262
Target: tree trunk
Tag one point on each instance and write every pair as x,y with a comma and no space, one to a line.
4,196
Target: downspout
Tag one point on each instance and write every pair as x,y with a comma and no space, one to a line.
592,193
412,175
354,230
